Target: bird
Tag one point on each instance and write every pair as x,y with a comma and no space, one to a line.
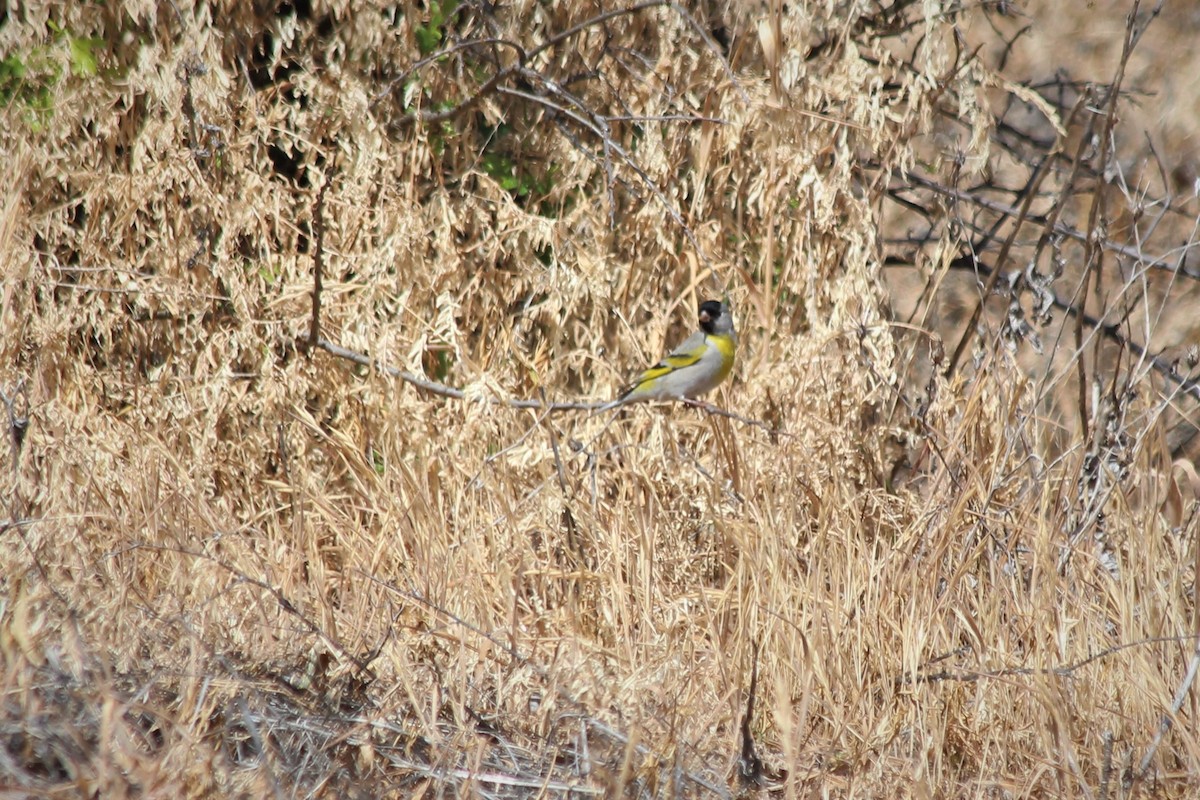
693,368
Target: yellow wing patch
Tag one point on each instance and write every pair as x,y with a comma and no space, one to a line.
667,366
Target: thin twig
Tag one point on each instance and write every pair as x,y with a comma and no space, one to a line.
515,656
965,675
318,224
284,603
1031,190
1156,262
1185,685
441,389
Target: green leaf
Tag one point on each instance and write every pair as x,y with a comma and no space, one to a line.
83,56
428,39
12,69
430,36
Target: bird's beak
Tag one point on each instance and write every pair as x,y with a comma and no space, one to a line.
705,316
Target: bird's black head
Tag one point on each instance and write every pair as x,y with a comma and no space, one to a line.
709,311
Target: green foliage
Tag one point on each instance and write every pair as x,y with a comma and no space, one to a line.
83,56
28,80
81,51
519,183
429,35
438,362
264,271
512,172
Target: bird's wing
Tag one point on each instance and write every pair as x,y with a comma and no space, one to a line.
687,354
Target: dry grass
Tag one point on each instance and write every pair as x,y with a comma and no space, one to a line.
233,565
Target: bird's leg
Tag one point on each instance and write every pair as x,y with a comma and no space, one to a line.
703,405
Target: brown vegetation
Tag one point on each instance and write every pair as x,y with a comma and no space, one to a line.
941,544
